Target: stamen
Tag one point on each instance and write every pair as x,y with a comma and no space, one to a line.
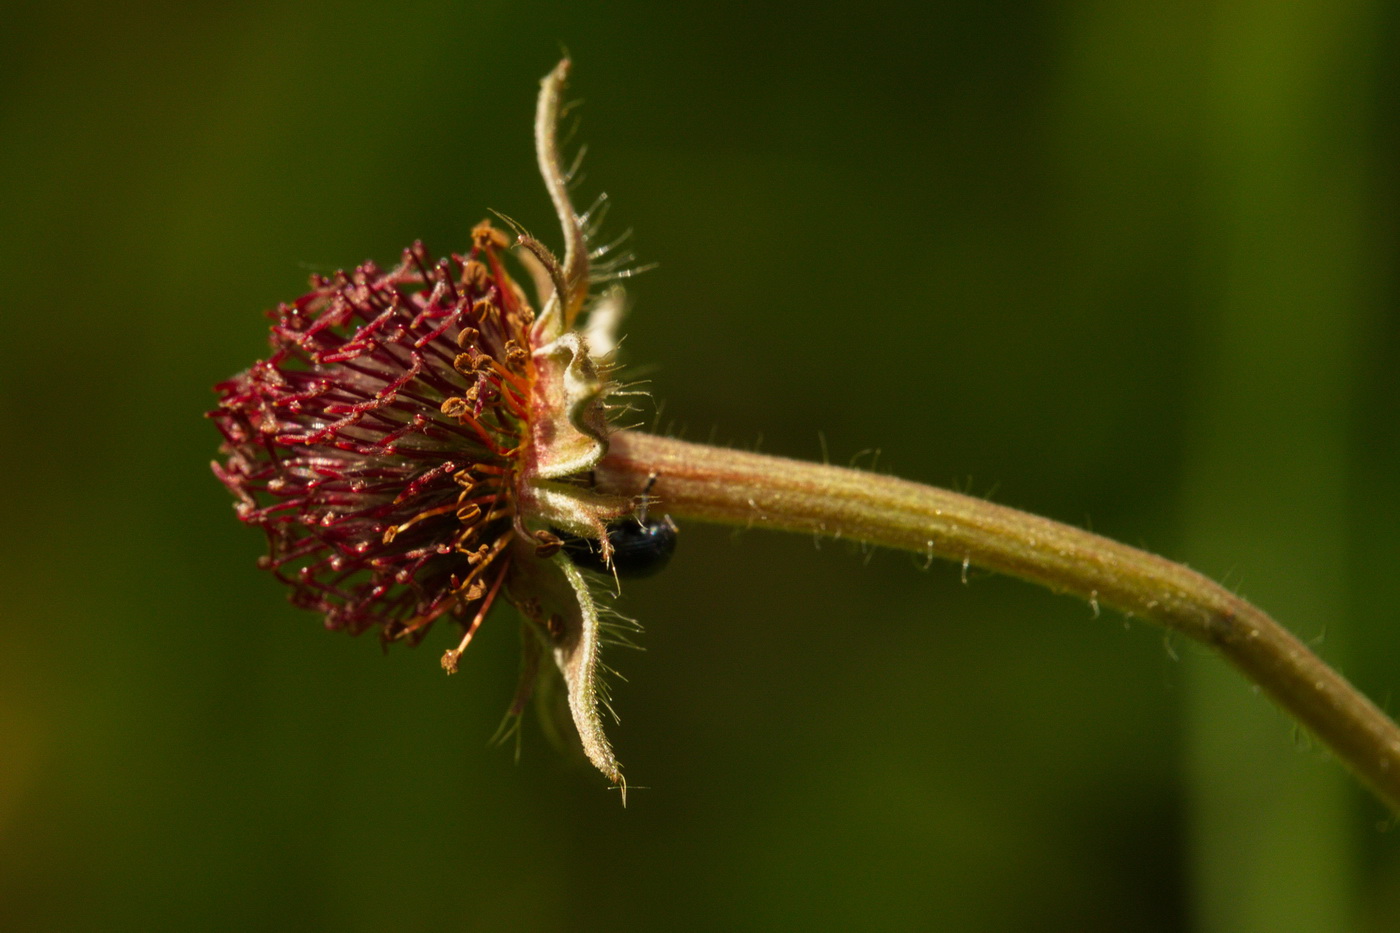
450,657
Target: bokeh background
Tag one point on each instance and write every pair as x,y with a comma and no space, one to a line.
1132,266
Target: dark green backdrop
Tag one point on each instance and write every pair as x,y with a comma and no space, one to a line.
1129,267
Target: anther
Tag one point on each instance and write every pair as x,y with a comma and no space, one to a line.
474,274
470,362
486,236
549,543
515,354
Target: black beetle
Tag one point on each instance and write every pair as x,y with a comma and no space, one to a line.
641,546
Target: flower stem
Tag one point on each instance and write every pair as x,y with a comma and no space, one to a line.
712,484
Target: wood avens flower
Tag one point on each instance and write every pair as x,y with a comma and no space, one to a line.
423,442
417,433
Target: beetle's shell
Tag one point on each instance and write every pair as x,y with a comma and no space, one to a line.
640,548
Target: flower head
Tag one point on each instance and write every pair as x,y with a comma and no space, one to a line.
375,446
415,434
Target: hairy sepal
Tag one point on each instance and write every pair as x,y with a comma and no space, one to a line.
566,616
570,433
570,426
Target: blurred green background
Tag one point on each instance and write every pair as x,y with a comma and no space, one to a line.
1130,267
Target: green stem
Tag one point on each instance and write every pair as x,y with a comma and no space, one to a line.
703,483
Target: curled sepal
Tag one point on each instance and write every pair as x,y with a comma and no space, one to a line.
565,615
560,311
569,424
576,654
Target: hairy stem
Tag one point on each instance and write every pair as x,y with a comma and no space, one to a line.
698,482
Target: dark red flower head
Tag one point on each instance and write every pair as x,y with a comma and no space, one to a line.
376,445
